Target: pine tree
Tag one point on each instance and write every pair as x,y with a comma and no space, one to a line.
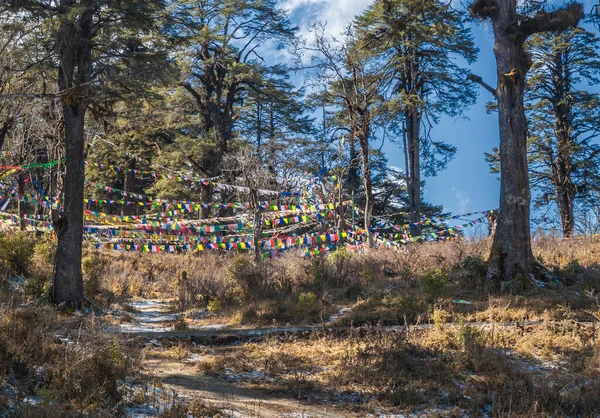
419,45
564,160
511,252
274,116
220,41
91,39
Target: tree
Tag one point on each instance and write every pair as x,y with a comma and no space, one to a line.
564,161
221,41
91,41
274,116
353,89
420,45
511,249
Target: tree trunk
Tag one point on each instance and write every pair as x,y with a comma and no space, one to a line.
511,249
6,125
21,193
74,72
413,132
129,209
363,139
207,192
566,197
563,182
68,279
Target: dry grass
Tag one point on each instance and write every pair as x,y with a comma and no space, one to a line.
66,362
539,371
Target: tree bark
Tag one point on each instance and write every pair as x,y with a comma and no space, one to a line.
68,279
4,129
363,140
413,132
511,252
74,72
562,104
511,249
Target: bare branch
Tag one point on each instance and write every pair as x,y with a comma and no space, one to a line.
476,79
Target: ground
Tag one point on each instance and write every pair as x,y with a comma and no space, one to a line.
415,333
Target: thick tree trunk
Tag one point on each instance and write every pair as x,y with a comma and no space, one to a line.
413,132
74,72
511,249
68,279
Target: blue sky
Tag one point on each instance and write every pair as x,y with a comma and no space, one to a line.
466,185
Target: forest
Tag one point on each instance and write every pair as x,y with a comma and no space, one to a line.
220,208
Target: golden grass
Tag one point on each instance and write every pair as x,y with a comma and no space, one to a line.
537,371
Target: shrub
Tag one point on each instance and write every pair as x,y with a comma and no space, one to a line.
306,301
214,306
245,276
17,251
93,269
474,267
433,283
574,267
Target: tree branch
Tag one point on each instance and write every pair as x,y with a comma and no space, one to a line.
193,92
483,9
556,21
476,79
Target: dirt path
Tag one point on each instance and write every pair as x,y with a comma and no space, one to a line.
232,398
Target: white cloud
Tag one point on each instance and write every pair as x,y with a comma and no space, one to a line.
336,13
462,199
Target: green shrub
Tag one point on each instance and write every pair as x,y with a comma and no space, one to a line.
433,283
214,306
340,261
574,267
306,301
17,251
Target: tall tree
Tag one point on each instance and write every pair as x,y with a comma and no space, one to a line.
275,117
511,249
564,160
91,40
353,89
421,45
221,42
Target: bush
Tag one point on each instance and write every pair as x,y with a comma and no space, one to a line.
93,268
17,251
474,267
214,306
73,362
433,283
245,276
306,301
